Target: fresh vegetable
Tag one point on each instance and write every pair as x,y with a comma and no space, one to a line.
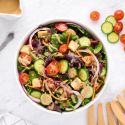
113,37
87,92
39,66
23,78
83,74
107,27
72,72
36,94
73,46
64,65
84,41
63,48
122,38
118,27
53,68
119,14
94,15
46,99
111,19
61,27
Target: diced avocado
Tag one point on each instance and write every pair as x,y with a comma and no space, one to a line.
87,92
73,46
36,94
39,66
74,37
84,42
72,72
54,41
98,48
64,65
46,99
76,84
74,99
63,37
83,74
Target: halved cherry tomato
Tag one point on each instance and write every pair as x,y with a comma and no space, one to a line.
23,78
124,47
53,68
51,84
63,48
119,14
118,27
94,15
61,27
25,59
122,38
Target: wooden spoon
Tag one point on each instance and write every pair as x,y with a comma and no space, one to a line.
90,116
101,120
118,113
121,100
111,117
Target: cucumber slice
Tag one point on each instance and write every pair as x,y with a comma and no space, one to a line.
39,66
87,92
107,27
113,37
111,19
83,74
84,41
46,99
64,65
36,94
72,72
98,48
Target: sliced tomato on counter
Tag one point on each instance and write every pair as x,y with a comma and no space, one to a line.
23,78
122,38
53,68
94,15
63,48
118,27
61,27
119,14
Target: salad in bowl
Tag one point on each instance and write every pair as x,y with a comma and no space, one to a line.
61,66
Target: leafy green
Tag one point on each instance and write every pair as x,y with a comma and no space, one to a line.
86,101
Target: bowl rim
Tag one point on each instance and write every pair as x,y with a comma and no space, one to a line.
21,42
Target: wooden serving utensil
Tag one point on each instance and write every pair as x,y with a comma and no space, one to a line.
101,120
121,100
90,116
110,115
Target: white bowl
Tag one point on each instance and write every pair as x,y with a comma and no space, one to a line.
12,16
41,107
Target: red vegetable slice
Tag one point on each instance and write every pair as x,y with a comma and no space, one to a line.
23,78
122,38
63,48
94,15
61,27
118,27
119,14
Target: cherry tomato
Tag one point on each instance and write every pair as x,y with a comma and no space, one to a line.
118,27
124,47
23,78
53,68
63,48
122,38
61,27
25,59
119,14
94,15
51,84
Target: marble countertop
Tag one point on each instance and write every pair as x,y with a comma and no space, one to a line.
39,11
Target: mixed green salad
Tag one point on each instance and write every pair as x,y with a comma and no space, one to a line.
62,66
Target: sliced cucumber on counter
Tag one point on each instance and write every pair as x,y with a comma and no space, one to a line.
64,65
46,99
88,93
107,27
39,66
84,41
36,94
98,48
83,74
113,37
111,19
72,72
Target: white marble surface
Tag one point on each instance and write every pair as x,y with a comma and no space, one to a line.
36,12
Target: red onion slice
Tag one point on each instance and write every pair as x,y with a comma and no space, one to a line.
33,33
34,99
